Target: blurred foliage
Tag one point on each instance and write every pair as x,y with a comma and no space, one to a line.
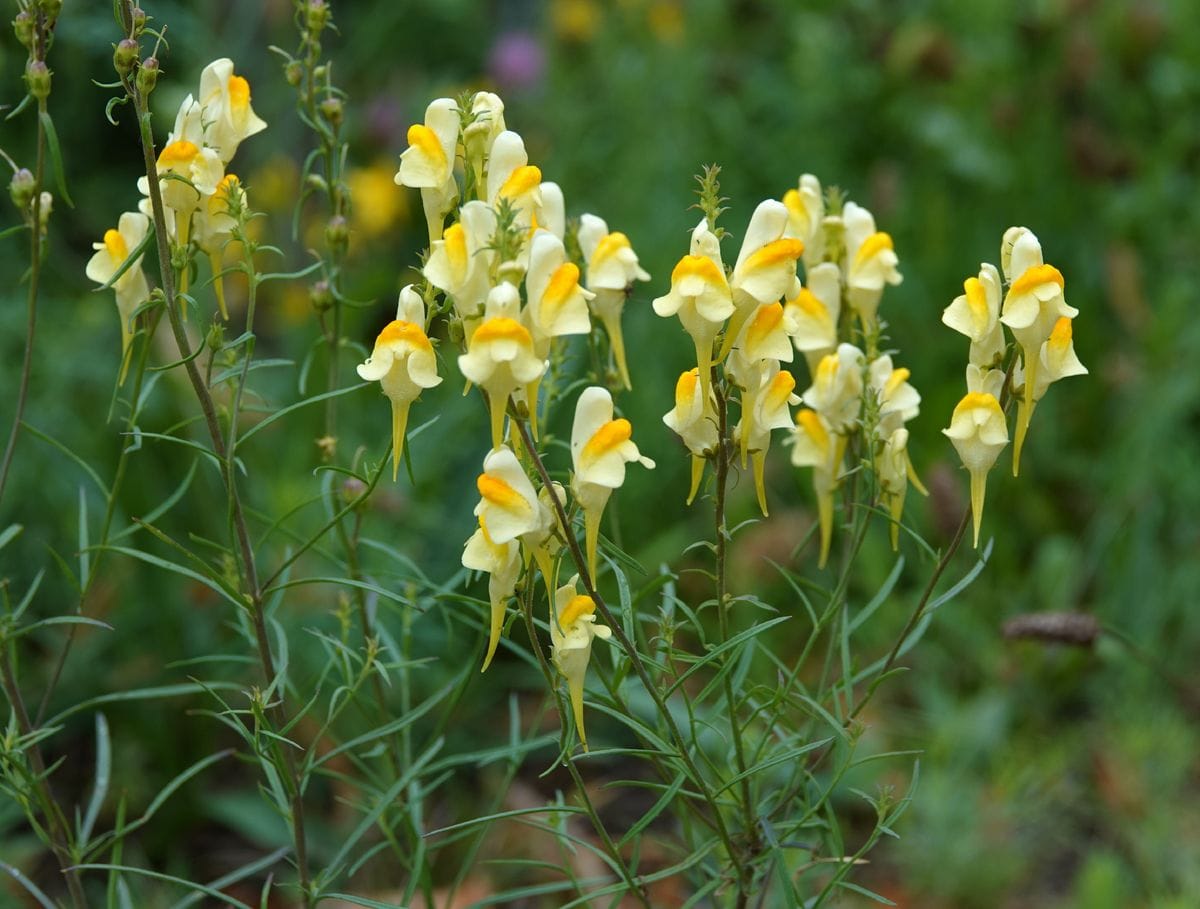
1051,776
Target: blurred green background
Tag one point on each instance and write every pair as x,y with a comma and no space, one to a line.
1051,776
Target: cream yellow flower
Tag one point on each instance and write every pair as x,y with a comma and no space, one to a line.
131,288
500,356
763,409
612,267
502,562
509,508
815,445
556,304
572,629
898,401
551,212
404,364
806,214
228,117
214,225
1056,360
836,392
600,449
428,162
894,469
700,296
460,262
870,263
694,419
976,314
979,433
487,122
511,176
811,314
1032,307
766,265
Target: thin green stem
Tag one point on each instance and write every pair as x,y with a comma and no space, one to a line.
626,644
750,824
35,273
56,824
253,592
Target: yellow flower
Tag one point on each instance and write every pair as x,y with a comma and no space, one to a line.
700,296
765,408
487,122
870,263
1032,307
556,304
572,629
898,401
806,215
811,314
511,176
612,267
976,314
979,433
508,508
500,355
428,162
694,419
1056,360
214,225
600,449
403,363
460,262
502,562
836,392
765,267
228,117
131,288
815,445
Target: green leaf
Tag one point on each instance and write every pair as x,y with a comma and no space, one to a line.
363,901
167,504
100,781
30,887
50,440
142,694
55,157
719,650
884,592
279,414
85,556
60,620
222,898
11,532
211,583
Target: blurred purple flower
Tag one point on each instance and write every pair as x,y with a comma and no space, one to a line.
517,60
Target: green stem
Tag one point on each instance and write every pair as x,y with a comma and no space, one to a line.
56,824
35,272
626,644
750,824
249,571
551,681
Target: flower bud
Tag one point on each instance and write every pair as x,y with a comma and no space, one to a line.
316,16
125,57
331,110
24,26
321,296
20,189
216,335
352,489
138,24
293,72
337,235
37,77
147,75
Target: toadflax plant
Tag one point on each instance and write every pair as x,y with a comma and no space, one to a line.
733,726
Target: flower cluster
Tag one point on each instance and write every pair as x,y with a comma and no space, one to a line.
510,289
1035,310
764,311
198,193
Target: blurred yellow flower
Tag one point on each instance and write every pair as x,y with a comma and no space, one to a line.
572,630
377,205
